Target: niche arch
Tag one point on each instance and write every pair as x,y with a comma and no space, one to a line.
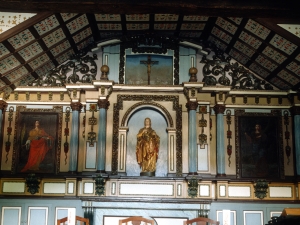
153,105
174,129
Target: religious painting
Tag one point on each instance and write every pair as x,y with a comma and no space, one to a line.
142,69
37,140
259,146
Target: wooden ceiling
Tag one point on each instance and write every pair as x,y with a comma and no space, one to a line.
245,30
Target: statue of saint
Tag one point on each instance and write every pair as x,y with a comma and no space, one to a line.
147,149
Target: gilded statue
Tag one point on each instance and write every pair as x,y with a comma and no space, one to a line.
147,149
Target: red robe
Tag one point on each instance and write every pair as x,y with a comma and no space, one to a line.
39,146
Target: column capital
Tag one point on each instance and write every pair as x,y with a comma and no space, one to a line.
219,109
191,105
76,106
103,103
295,110
3,105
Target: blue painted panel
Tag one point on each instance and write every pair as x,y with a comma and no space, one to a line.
253,218
297,141
113,53
232,218
11,216
91,156
38,217
62,213
185,55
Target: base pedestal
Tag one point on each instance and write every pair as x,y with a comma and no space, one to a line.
147,174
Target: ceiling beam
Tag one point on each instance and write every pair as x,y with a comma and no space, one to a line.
223,8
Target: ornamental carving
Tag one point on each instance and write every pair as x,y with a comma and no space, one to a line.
295,110
92,122
3,105
221,70
190,105
81,68
287,134
103,103
76,106
219,109
168,115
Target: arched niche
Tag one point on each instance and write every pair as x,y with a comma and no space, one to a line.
168,126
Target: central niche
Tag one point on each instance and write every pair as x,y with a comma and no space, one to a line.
159,124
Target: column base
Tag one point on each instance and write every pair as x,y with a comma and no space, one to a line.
100,171
221,175
192,173
147,174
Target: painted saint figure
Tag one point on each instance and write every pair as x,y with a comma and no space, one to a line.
38,144
147,149
258,142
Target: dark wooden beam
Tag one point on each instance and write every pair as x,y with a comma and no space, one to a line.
223,8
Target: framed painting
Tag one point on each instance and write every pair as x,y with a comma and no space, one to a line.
149,69
37,140
259,147
149,60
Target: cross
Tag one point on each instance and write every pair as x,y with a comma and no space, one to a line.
149,63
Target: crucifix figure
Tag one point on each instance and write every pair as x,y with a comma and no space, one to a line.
148,63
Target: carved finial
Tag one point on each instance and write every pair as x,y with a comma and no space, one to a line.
193,71
104,70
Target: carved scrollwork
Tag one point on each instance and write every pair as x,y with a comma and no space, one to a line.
80,69
220,70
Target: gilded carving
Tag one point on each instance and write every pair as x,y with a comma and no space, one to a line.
76,106
256,99
229,136
245,99
92,122
280,100
50,96
202,123
221,96
3,105
9,130
219,109
103,103
295,110
38,95
288,148
67,133
128,112
268,99
191,105
62,95
27,95
233,99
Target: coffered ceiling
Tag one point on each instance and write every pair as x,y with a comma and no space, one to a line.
248,32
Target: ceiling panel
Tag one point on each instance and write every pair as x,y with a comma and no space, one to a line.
43,44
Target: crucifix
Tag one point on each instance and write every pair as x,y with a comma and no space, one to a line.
148,63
